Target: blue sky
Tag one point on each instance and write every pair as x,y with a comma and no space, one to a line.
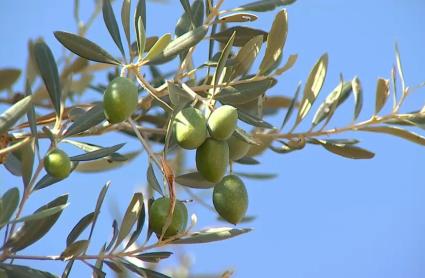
324,216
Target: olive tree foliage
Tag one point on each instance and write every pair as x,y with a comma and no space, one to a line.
220,108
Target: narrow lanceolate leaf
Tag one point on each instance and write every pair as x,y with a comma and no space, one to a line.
85,48
186,6
88,147
101,165
141,37
41,214
140,12
259,176
9,117
130,217
33,230
194,180
222,61
103,152
244,92
79,228
253,120
99,203
178,96
158,47
275,42
346,150
197,9
8,204
242,37
332,101
143,272
400,67
185,41
74,249
125,20
264,5
245,136
211,235
153,257
111,24
152,181
49,72
31,117
246,56
48,180
399,132
291,107
312,87
19,271
382,94
139,227
238,17
8,77
89,119
288,65
358,97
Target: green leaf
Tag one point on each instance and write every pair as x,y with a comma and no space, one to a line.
275,42
253,120
143,272
9,202
382,93
79,228
89,119
41,214
244,136
19,271
211,235
74,249
26,156
257,176
125,20
248,161
292,59
222,61
244,92
8,77
194,180
187,9
9,117
99,203
87,147
185,41
197,9
134,209
313,86
243,35
49,72
139,227
33,230
346,150
103,152
398,132
158,47
140,12
291,107
238,17
399,67
152,181
114,235
264,5
102,165
48,180
141,37
85,48
32,117
246,56
111,24
153,257
358,97
178,96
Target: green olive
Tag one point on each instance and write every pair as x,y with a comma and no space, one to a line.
158,216
222,122
237,147
190,128
57,164
212,158
230,199
120,99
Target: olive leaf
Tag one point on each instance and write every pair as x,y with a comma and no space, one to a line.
313,86
74,249
253,120
125,21
89,119
139,227
48,180
88,147
398,132
382,93
152,181
275,42
9,117
85,48
238,17
358,97
210,235
153,257
111,24
40,214
292,59
246,56
141,37
242,35
101,165
244,92
158,47
264,5
79,228
185,41
140,13
20,271
345,150
8,77
222,61
178,96
100,153
291,107
194,180
8,204
32,118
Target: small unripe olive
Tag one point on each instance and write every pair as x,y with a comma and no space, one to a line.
120,99
158,216
237,147
230,199
212,158
57,164
190,128
222,122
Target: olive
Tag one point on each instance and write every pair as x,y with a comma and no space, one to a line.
222,122
230,199
158,214
120,99
212,158
57,164
237,147
190,128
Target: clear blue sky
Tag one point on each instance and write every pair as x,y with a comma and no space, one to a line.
324,216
